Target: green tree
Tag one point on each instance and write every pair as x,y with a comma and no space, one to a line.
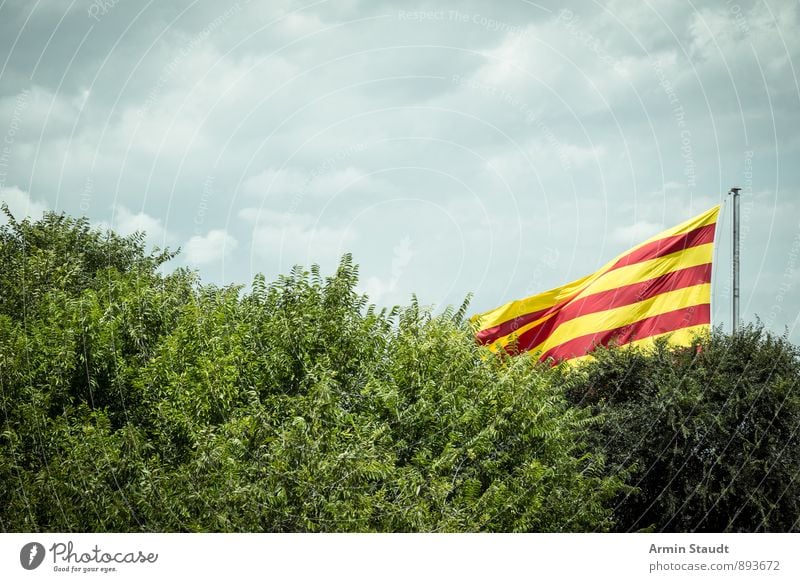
138,400
712,431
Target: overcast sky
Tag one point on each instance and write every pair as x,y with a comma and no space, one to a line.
452,147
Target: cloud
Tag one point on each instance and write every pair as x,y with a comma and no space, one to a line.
214,246
635,233
318,183
382,289
125,222
285,182
287,239
21,204
485,134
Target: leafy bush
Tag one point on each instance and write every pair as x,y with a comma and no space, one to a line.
713,432
138,401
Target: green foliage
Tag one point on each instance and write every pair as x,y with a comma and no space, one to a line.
134,400
712,431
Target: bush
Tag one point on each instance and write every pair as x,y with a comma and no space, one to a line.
713,432
138,401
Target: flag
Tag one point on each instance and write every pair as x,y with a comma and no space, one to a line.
660,287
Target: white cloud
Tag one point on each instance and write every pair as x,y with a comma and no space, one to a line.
214,246
295,238
125,222
275,182
635,233
380,289
318,182
578,155
562,156
563,62
333,183
20,204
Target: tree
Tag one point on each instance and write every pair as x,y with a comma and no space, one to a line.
134,400
712,430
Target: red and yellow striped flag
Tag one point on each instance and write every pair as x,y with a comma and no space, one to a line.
660,287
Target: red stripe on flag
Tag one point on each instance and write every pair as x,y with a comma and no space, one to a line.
658,324
491,334
613,298
668,245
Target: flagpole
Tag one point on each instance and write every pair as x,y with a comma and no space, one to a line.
735,193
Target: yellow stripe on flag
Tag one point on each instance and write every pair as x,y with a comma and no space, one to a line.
645,270
681,337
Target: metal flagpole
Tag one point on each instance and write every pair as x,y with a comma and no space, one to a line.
735,193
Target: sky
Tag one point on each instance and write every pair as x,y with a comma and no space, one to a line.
498,149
